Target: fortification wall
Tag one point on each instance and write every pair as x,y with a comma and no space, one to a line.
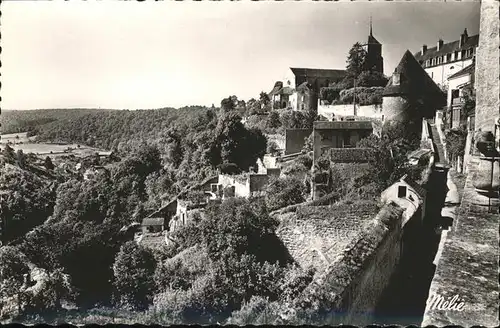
352,284
330,111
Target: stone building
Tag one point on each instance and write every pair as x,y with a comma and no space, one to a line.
408,195
445,59
340,135
410,93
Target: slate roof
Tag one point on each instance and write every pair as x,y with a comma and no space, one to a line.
153,221
277,86
414,82
471,42
334,74
372,40
467,70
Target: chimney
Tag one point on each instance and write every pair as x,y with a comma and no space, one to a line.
424,49
463,38
439,44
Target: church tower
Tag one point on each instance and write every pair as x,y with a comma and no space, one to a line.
374,60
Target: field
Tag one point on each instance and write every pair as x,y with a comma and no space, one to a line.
29,145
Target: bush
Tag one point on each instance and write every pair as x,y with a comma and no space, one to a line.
272,148
364,96
371,79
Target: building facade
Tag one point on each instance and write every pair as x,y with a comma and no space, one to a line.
446,59
457,84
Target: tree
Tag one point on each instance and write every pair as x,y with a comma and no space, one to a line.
233,143
264,98
13,269
9,154
21,158
133,269
283,192
227,104
48,163
329,94
356,60
273,120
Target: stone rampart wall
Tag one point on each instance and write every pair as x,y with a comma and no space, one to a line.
350,287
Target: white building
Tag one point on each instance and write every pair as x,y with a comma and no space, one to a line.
446,59
456,84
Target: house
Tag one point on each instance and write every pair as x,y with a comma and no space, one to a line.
341,136
457,83
446,59
338,134
152,225
410,93
408,194
247,184
93,172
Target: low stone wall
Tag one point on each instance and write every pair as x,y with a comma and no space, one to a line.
350,287
330,111
350,155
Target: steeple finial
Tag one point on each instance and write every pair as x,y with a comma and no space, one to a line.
371,28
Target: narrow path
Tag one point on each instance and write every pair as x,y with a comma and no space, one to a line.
404,300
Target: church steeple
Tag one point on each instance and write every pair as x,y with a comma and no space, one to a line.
371,27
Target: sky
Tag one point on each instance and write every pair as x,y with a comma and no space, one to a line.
130,55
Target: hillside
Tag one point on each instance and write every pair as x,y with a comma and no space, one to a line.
15,121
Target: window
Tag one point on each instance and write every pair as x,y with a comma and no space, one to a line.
440,60
427,62
456,55
433,61
401,191
448,58
464,53
396,79
469,52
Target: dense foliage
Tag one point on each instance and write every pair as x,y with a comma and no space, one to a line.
15,121
283,192
27,201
